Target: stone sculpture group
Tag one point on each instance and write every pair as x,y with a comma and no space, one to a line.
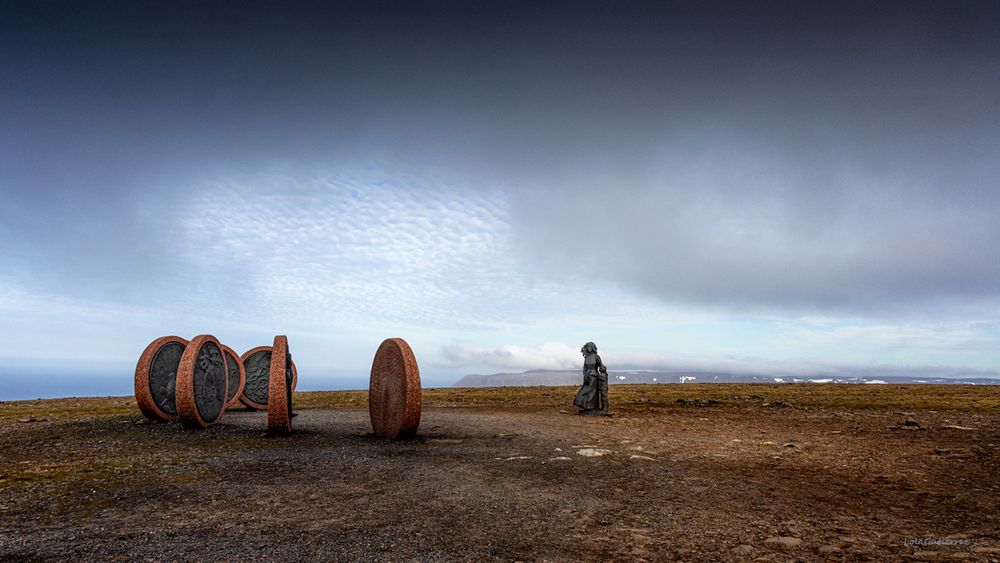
196,381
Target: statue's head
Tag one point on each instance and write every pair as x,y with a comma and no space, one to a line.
589,348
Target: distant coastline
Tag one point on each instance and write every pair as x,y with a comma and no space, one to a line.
531,378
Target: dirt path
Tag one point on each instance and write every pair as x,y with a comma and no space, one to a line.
679,483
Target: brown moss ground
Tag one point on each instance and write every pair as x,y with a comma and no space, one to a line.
624,398
88,478
649,398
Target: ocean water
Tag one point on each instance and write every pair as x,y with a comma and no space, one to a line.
28,383
20,384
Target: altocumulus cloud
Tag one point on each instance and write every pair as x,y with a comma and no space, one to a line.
694,179
356,248
366,247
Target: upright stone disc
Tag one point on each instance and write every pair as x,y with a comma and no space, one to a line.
394,391
202,380
279,400
156,377
257,367
237,376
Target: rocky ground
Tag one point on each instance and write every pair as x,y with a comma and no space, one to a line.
682,472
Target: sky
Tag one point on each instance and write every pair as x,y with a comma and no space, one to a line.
789,187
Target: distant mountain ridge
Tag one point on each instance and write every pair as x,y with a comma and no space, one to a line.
533,378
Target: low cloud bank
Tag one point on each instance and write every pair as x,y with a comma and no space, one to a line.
558,356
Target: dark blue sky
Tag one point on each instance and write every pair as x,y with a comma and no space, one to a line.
775,181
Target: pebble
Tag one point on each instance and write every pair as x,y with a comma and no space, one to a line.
827,549
742,549
910,424
783,541
789,531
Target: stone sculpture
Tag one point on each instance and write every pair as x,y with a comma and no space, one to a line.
156,378
257,366
279,399
202,381
237,376
394,391
195,382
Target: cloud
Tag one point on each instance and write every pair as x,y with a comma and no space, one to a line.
753,222
968,335
552,355
350,248
560,356
532,173
845,160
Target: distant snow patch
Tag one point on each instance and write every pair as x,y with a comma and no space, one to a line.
778,380
876,381
684,378
821,380
621,378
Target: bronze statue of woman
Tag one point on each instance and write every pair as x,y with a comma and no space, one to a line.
592,398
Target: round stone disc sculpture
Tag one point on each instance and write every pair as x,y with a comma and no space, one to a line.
279,393
394,391
257,367
202,380
156,377
237,376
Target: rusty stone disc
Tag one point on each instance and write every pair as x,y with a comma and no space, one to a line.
257,366
394,391
295,376
237,376
279,399
156,377
202,380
